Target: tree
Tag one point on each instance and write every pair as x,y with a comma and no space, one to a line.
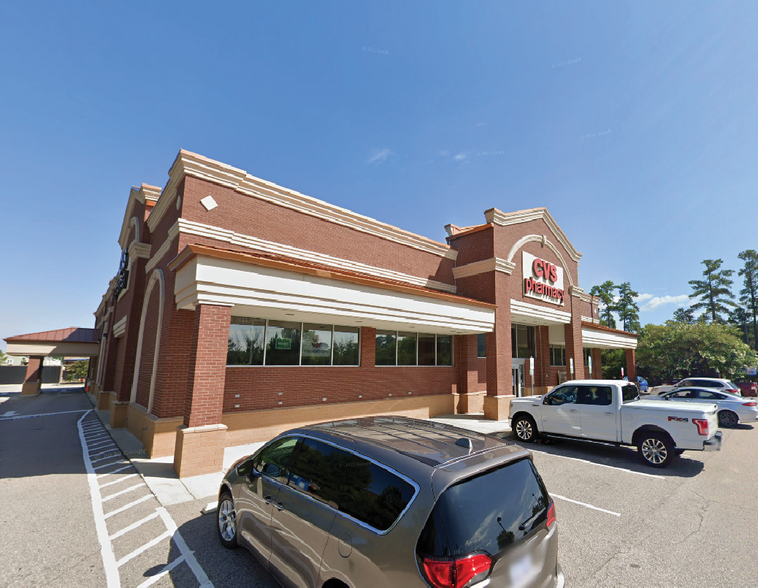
606,294
670,352
76,370
629,312
684,315
749,294
714,291
3,357
738,317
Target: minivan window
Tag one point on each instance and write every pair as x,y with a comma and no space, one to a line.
488,512
274,460
351,484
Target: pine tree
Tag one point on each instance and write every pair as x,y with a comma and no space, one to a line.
607,304
714,291
629,312
749,294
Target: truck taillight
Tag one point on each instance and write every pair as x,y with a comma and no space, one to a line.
702,426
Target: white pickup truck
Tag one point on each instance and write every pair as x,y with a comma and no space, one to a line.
610,411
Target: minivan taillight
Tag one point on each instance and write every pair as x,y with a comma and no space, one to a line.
750,404
551,514
702,426
455,573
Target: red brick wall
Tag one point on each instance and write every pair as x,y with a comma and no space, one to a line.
207,370
148,346
252,216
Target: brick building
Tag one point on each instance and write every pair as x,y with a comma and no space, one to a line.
242,308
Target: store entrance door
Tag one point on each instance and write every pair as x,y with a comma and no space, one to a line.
518,380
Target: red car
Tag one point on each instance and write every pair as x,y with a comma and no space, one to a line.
748,388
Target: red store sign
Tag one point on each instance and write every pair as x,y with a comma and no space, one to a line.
542,279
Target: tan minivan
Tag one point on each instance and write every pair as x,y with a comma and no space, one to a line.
392,502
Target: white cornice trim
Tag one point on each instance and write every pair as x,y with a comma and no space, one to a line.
213,171
141,250
504,219
192,228
589,319
545,241
605,340
493,264
541,313
119,328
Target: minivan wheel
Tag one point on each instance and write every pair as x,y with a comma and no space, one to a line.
727,419
227,521
657,450
525,428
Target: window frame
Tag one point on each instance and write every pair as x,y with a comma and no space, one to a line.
397,335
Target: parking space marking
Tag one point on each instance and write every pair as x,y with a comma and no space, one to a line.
610,512
35,416
602,465
169,537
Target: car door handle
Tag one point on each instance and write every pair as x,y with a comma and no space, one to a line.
277,505
535,404
609,413
572,410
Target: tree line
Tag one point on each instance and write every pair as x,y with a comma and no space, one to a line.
717,335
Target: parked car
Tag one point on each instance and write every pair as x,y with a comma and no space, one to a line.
731,408
748,388
611,411
717,383
390,502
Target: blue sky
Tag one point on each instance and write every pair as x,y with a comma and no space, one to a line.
635,124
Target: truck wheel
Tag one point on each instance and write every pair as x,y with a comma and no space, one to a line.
727,419
656,449
525,428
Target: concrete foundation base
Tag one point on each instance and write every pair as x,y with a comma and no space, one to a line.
496,407
199,450
103,400
158,436
472,403
31,388
119,412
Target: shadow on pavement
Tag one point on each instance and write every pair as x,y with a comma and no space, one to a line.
625,458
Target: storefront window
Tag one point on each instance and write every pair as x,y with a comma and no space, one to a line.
406,349
557,355
425,349
481,345
522,342
245,341
444,350
385,348
317,344
345,346
283,343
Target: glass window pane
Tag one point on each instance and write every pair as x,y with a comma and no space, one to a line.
317,344
426,349
274,460
245,341
525,341
350,483
346,346
385,348
444,350
406,349
481,345
514,340
283,343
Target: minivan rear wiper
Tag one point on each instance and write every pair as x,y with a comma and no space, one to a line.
524,525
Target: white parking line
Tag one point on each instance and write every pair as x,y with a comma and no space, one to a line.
602,465
144,548
133,526
126,467
106,549
34,416
153,579
610,512
97,437
184,548
105,465
128,506
117,481
109,454
130,489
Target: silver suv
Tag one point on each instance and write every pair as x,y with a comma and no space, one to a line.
391,502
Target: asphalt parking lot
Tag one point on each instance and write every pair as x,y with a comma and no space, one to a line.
621,523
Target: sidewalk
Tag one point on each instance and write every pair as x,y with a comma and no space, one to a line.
163,481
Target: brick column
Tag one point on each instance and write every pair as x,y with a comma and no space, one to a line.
201,440
467,358
497,403
597,364
631,365
33,378
574,344
368,347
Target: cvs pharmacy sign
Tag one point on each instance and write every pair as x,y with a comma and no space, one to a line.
543,279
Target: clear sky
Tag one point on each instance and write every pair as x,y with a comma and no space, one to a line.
634,123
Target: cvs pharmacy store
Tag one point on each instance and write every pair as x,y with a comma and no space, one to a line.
242,308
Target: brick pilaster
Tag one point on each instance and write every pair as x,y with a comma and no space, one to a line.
631,365
597,364
33,377
574,343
